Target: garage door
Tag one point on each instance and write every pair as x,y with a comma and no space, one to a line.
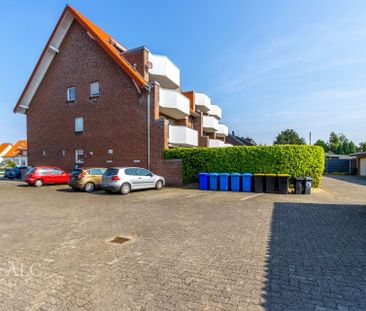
363,167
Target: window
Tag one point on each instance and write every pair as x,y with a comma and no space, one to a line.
110,151
71,94
63,152
142,172
79,125
97,171
94,89
56,171
111,172
44,152
79,156
130,171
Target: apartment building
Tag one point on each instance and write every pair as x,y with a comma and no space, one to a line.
91,101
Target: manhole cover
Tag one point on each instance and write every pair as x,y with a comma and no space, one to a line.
119,240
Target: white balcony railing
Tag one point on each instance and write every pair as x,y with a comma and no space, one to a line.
222,131
228,145
216,143
173,104
210,124
202,102
164,71
215,111
182,136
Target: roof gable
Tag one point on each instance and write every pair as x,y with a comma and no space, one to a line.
17,148
109,45
4,148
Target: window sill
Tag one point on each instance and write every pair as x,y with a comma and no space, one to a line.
94,97
71,101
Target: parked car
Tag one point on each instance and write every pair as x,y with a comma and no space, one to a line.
15,172
42,175
125,179
86,179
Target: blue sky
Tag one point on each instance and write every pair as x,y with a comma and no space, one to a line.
270,65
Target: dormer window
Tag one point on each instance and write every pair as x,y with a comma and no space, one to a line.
94,89
71,94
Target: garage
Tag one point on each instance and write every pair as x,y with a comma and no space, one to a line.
361,163
362,166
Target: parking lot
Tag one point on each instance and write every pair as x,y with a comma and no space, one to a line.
187,249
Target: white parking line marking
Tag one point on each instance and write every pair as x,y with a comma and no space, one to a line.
252,196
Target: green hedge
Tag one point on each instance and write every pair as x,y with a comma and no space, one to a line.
295,160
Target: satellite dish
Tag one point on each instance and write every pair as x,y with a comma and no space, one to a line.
149,65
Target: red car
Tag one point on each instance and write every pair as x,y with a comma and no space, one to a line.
41,175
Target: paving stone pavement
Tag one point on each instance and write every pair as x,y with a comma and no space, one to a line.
188,250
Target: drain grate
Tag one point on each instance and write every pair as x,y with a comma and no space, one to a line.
119,240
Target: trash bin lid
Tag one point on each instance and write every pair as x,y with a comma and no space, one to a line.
259,174
223,174
213,174
203,174
283,175
308,178
271,175
247,174
235,174
299,178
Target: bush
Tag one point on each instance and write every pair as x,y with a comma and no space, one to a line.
8,164
294,160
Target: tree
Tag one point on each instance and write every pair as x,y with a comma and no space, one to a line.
323,144
352,147
334,142
289,137
362,146
8,164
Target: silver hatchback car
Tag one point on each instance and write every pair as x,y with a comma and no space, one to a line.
125,179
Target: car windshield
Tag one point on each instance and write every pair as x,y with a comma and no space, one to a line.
32,170
111,172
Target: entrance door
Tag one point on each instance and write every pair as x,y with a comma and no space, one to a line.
363,167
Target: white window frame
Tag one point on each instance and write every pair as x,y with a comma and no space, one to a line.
79,125
79,152
94,89
68,92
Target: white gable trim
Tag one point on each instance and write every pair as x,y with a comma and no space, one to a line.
51,50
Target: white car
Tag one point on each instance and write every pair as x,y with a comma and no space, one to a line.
125,179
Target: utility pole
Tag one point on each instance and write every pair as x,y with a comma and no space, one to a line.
310,138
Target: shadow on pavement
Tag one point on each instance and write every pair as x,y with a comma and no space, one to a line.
353,179
316,258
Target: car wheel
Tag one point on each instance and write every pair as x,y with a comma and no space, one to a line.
38,183
159,185
125,188
89,187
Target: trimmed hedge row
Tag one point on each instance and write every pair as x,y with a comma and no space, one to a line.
295,160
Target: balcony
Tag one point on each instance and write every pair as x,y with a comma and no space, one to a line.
210,124
182,136
215,111
222,131
164,71
216,143
202,102
173,104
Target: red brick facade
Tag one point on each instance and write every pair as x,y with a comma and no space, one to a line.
116,120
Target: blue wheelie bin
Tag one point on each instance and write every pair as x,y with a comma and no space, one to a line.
235,182
214,181
247,182
203,178
224,181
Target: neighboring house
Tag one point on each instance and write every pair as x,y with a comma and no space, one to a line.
18,153
236,140
4,148
92,102
360,162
